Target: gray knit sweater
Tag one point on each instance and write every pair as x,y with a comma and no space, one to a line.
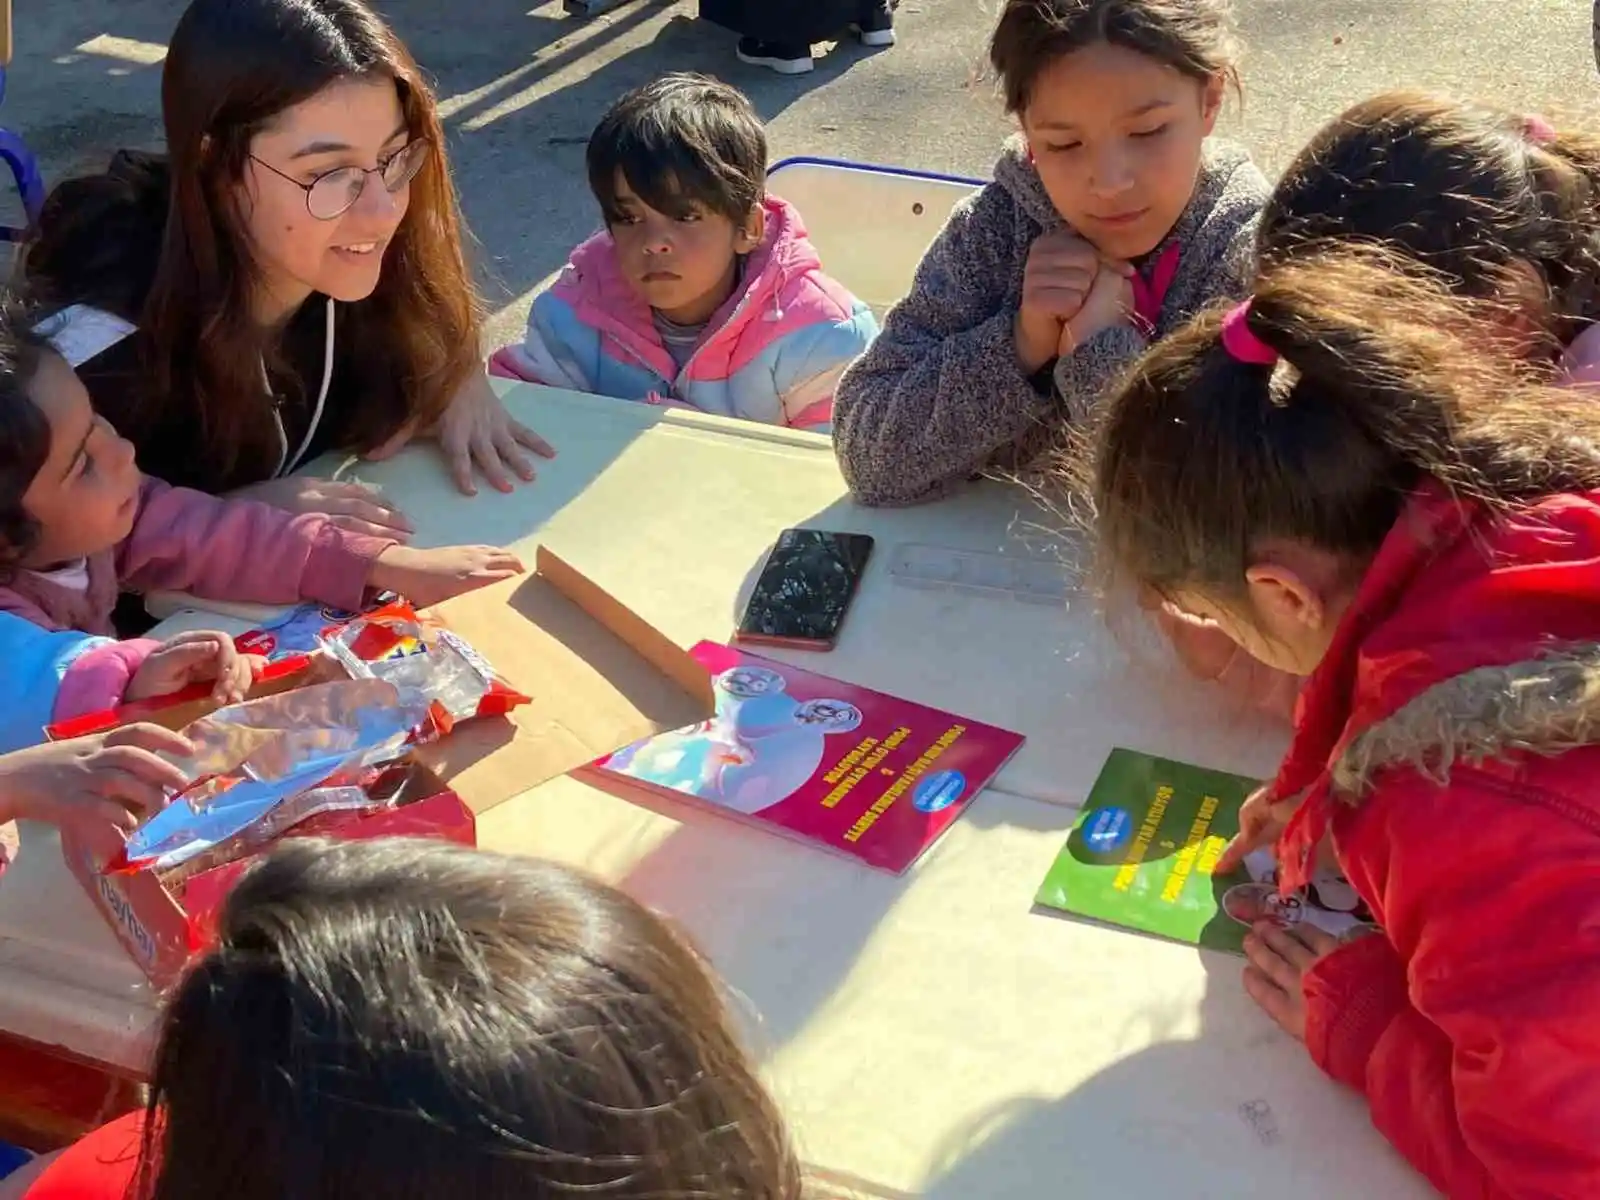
940,397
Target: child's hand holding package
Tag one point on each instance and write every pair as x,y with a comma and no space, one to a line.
427,577
196,658
117,777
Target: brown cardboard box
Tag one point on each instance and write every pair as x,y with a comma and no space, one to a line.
162,925
599,676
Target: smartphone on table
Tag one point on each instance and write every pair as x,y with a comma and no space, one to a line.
805,589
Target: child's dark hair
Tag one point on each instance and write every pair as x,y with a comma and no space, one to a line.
24,429
1195,37
410,1019
683,142
1470,191
1202,458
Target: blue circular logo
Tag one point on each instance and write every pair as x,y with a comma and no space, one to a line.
1108,830
939,791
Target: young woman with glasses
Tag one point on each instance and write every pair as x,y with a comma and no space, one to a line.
289,277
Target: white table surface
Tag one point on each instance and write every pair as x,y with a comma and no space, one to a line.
929,1035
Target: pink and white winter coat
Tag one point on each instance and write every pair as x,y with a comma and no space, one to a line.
773,353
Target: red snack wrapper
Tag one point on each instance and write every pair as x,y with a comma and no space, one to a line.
394,643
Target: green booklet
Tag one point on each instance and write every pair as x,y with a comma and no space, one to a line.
1144,851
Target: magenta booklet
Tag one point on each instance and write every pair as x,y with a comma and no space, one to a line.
864,774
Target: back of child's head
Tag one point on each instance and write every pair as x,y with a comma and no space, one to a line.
1194,37
1470,191
1309,416
411,1019
681,143
25,437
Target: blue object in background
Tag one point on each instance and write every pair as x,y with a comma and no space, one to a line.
12,1157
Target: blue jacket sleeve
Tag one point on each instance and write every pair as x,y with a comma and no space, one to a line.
35,660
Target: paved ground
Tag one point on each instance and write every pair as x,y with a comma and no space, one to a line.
522,86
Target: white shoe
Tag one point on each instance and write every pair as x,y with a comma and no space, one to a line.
877,28
785,60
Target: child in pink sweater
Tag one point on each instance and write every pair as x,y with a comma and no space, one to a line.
79,524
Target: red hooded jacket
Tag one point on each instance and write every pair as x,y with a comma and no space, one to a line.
1449,745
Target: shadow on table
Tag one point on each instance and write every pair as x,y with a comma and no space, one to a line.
1158,1103
589,434
785,922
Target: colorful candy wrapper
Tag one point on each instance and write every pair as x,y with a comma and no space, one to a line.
301,630
252,757
396,645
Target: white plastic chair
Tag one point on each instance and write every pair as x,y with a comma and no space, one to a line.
871,224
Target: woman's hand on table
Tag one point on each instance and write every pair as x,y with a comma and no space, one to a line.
353,506
116,778
478,436
426,577
199,657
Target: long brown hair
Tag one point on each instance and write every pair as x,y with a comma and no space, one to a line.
1378,388
234,65
408,1019
1466,189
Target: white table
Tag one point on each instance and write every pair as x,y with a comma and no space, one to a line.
929,1035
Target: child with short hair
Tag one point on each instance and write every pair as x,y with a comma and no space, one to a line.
1111,220
406,1018
1503,206
1356,489
703,291
79,524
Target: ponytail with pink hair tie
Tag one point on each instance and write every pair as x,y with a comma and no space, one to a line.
1241,342
1538,130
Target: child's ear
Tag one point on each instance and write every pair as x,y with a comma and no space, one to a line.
754,229
1211,97
1286,601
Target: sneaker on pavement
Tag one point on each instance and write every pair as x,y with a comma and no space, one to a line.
876,28
775,56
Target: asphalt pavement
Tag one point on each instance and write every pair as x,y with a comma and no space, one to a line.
522,84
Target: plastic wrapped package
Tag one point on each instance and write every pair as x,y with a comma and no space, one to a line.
396,645
251,758
265,766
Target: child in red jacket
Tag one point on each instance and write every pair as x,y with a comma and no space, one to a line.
1504,206
1356,490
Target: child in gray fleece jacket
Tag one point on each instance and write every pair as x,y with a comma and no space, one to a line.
955,385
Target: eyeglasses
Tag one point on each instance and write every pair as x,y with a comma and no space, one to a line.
334,193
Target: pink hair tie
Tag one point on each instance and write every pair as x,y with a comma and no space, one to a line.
1241,342
1538,130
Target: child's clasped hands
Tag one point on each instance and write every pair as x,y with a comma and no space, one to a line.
1070,292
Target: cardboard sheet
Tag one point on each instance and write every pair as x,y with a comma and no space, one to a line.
599,676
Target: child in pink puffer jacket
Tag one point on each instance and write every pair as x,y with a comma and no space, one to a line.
703,291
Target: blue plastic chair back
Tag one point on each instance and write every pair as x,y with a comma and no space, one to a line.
25,173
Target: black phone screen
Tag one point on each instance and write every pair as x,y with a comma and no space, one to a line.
807,585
